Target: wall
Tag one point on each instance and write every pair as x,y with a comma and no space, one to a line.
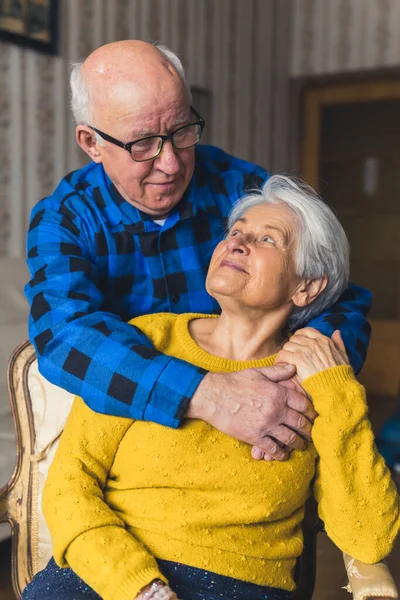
347,36
237,49
344,35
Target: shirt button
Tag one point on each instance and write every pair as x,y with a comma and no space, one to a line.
175,299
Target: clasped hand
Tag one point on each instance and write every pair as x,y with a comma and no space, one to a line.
267,407
156,591
312,352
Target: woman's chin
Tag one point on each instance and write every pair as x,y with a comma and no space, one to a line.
224,282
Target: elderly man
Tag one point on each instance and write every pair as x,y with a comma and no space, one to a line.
132,233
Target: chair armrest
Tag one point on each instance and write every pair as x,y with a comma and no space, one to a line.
369,581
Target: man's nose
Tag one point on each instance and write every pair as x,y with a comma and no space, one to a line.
238,244
168,160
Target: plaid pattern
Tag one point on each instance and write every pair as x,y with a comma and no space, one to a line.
96,261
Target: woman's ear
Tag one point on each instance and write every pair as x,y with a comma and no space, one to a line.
308,291
86,139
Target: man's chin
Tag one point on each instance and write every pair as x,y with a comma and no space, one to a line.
161,207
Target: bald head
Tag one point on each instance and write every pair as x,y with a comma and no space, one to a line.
124,72
123,94
119,57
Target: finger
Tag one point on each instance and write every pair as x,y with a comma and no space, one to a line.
259,454
288,437
272,448
299,343
338,341
298,423
309,332
278,372
286,357
294,384
268,457
301,404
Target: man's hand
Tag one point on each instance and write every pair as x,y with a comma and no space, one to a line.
251,406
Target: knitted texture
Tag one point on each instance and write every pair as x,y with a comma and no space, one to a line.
121,492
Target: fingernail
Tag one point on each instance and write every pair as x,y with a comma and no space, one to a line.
257,453
286,366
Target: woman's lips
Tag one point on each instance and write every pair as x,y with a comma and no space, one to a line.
233,265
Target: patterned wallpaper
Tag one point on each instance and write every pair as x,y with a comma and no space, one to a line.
344,35
236,49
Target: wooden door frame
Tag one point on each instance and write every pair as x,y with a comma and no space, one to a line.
311,94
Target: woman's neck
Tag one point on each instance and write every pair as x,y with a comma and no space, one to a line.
240,336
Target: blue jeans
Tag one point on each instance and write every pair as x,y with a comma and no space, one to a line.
189,583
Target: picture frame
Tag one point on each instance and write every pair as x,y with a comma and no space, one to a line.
30,23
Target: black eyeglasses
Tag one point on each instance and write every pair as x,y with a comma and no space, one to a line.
150,147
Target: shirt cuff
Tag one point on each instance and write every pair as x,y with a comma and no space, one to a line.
172,393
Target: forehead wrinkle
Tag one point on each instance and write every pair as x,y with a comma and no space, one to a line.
281,230
144,132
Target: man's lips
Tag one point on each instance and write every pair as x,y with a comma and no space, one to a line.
233,265
162,183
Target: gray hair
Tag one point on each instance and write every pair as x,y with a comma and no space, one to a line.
80,92
322,245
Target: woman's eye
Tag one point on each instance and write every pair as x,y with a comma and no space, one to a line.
268,239
234,233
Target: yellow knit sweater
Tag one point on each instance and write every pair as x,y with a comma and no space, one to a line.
120,492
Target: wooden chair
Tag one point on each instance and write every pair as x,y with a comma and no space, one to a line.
40,410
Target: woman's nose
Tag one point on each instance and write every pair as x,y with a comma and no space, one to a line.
238,244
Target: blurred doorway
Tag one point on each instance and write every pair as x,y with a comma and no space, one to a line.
350,152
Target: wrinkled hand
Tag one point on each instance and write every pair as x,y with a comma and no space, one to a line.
312,352
162,593
262,407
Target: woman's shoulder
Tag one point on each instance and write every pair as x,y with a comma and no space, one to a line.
162,329
157,327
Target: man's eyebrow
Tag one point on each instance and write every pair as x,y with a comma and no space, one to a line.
138,134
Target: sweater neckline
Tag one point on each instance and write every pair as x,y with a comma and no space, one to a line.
210,362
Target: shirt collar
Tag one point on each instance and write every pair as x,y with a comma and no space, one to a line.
197,197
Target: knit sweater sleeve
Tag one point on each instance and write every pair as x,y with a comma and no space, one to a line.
87,534
357,499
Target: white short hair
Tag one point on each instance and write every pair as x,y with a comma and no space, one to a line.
322,245
81,105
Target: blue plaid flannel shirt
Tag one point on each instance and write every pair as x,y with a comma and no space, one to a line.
96,262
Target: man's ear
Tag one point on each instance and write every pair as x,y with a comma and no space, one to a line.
308,291
86,139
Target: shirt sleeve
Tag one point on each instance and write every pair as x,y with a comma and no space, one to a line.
87,535
349,315
83,348
357,499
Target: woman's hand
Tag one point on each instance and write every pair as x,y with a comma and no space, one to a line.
312,352
156,590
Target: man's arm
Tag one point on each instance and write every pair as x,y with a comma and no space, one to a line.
115,367
82,348
349,316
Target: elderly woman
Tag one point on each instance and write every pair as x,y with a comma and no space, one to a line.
137,510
